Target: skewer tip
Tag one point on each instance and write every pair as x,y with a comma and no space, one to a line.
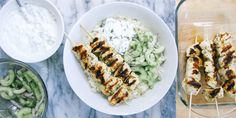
217,108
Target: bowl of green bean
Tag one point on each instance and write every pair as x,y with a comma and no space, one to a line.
22,91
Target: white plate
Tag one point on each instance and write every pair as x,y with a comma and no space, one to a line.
12,5
77,78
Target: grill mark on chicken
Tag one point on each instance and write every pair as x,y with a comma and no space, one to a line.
194,83
197,47
100,44
110,87
195,72
226,48
77,48
112,62
230,74
192,51
108,56
104,49
214,92
123,73
100,76
129,83
228,85
95,40
119,99
195,59
228,58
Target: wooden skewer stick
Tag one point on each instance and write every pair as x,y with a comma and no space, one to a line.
217,108
190,105
90,36
71,41
235,98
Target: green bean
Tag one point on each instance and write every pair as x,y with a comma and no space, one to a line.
17,84
24,113
8,79
36,91
40,110
27,77
19,91
27,87
9,116
7,93
37,88
31,75
20,72
27,102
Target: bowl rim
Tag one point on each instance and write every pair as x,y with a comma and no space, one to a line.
60,37
22,64
152,13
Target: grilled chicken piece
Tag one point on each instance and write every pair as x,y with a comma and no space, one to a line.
190,85
100,72
192,68
111,86
225,49
209,54
230,87
119,96
226,61
212,93
195,49
115,62
191,82
82,53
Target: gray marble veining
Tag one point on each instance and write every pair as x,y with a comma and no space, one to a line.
63,103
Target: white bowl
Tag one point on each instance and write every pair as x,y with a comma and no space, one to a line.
12,5
77,78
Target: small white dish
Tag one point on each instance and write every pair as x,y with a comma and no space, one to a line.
77,78
28,58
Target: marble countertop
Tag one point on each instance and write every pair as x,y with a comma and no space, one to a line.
63,103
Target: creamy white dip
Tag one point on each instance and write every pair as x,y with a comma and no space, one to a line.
31,30
118,32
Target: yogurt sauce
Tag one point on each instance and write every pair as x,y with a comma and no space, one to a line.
118,32
31,30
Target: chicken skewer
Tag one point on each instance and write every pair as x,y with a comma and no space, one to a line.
226,62
191,83
114,61
209,55
110,86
